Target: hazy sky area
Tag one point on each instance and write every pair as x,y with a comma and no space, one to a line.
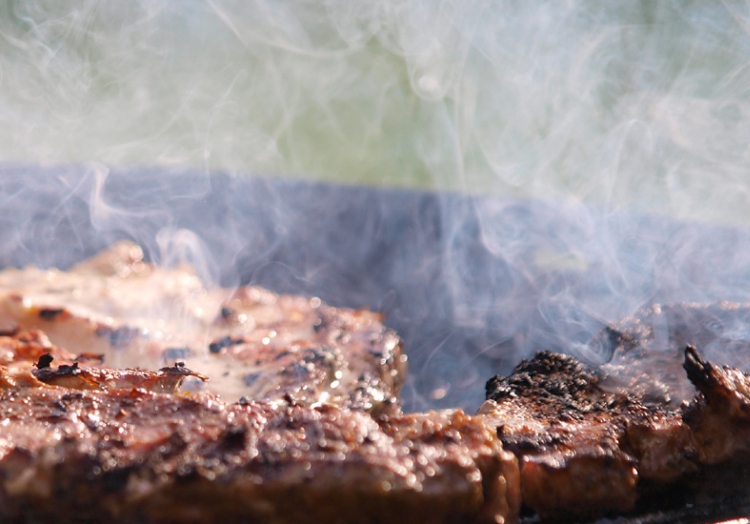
626,104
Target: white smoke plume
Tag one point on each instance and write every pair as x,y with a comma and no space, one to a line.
638,104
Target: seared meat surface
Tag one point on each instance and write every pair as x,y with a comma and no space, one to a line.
568,435
107,445
249,341
585,451
720,416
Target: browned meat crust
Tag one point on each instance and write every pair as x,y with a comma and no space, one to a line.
568,435
110,449
249,341
585,451
720,416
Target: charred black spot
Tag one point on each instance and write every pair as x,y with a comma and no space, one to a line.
546,375
50,313
233,438
319,325
217,345
116,479
289,399
186,473
226,313
573,416
69,370
450,438
44,361
177,440
520,445
72,397
297,370
698,370
176,444
495,389
379,352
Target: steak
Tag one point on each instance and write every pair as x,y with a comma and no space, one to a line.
249,341
655,417
585,451
568,435
82,442
720,416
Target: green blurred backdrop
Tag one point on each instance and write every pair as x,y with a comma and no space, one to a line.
624,104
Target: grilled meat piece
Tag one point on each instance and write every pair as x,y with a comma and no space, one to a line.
251,342
133,455
585,451
567,433
720,416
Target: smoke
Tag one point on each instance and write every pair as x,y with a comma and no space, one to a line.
633,105
588,158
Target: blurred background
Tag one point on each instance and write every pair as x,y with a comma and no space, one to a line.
638,105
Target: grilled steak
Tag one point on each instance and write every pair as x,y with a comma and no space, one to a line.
568,435
251,342
585,451
93,444
720,416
